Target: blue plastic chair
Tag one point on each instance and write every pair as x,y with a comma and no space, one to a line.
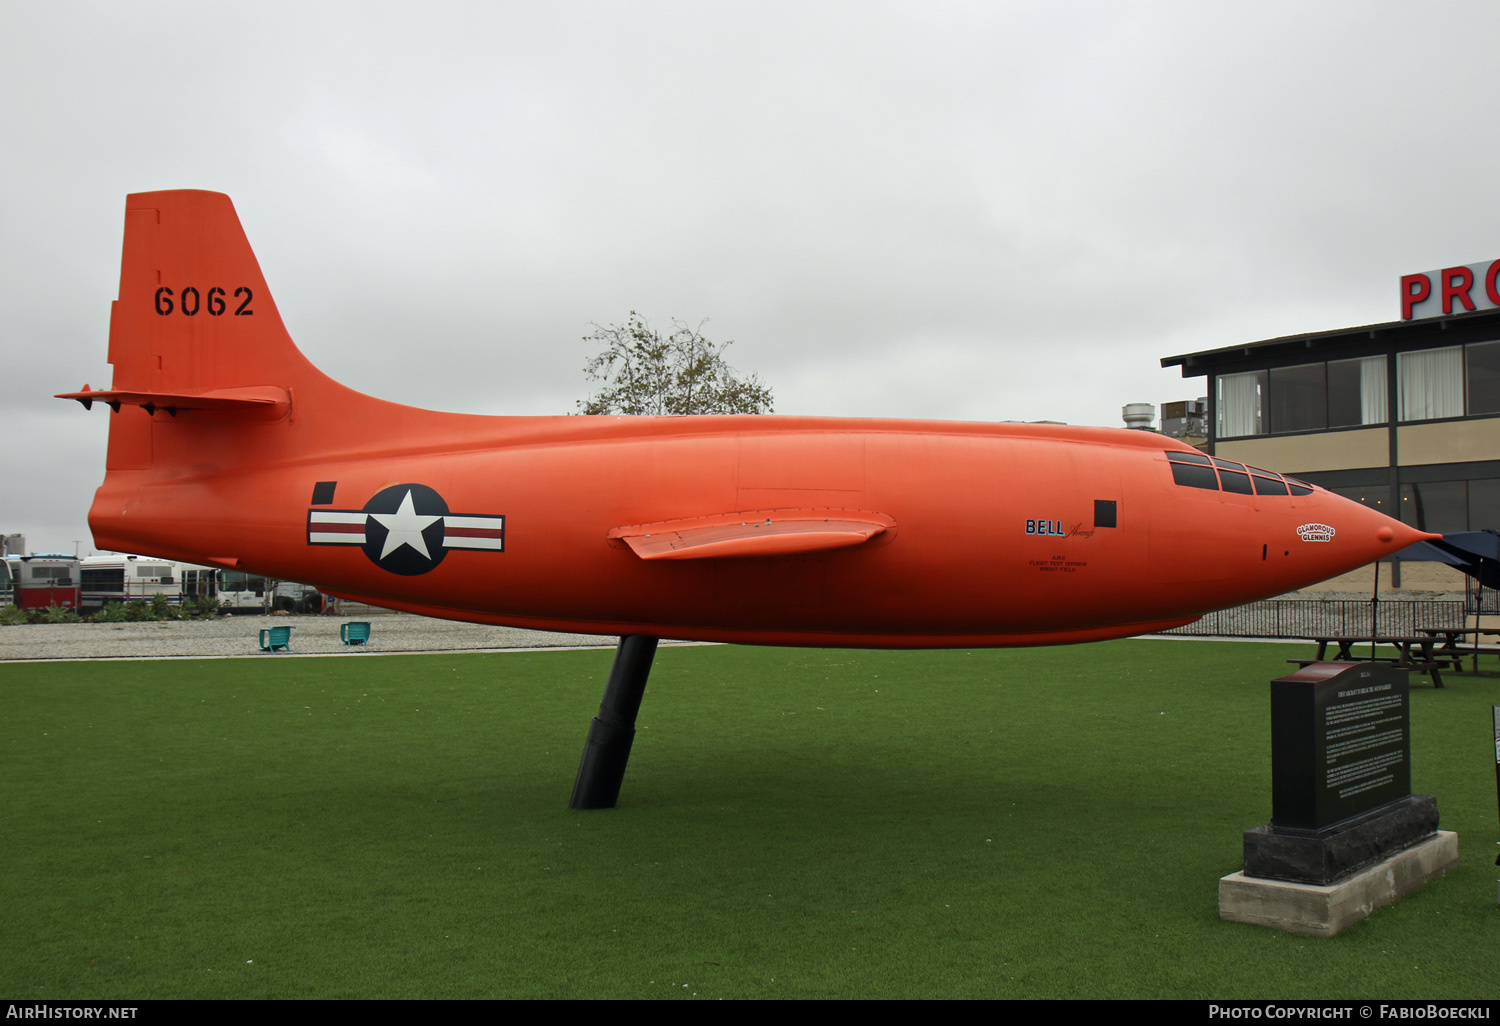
272,638
356,633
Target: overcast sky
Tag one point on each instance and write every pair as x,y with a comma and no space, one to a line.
976,211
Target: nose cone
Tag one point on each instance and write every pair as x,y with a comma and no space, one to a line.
1331,535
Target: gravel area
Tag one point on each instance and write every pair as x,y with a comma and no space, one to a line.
234,636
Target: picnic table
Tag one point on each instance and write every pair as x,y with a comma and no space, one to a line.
1420,653
1450,643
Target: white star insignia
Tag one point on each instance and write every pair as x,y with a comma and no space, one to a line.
405,527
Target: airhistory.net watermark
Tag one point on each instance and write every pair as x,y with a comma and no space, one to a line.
45,1011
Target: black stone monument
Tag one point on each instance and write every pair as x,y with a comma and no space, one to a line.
1340,775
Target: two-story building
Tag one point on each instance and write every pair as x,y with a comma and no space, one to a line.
1403,416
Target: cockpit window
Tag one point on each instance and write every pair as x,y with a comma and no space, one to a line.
1265,484
1195,475
1232,477
1235,482
1195,470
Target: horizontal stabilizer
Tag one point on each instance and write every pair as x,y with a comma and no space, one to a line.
267,402
781,532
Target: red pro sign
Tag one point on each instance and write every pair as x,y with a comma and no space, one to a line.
1453,290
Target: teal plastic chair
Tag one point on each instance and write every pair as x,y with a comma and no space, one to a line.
272,638
357,633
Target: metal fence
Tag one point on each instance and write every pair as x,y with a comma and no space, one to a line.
1485,600
1315,618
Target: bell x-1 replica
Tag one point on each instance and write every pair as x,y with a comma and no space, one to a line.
228,448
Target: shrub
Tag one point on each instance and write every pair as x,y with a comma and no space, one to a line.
13,616
61,614
136,609
161,609
113,612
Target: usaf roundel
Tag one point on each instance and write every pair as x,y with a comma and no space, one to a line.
405,529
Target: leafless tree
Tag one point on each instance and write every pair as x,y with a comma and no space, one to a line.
648,373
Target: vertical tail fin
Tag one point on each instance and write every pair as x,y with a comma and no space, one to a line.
194,313
194,328
209,388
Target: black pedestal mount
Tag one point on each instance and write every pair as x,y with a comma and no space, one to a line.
610,735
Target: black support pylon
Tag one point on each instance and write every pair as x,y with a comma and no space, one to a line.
610,735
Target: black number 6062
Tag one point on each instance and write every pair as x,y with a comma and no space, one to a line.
190,302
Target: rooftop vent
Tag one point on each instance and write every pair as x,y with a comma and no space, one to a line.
1138,416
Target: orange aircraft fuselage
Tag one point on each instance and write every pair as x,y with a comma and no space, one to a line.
228,448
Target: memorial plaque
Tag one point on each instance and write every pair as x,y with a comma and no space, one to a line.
1340,743
1341,775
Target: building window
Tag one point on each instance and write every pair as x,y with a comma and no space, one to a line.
1432,383
1376,497
1307,397
1299,398
1439,506
1484,504
1239,404
1483,373
1356,392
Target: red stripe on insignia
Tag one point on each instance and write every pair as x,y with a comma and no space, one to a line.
332,528
472,532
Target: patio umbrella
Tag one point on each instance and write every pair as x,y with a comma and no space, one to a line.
1476,553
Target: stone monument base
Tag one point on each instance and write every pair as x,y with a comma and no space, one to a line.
1325,911
1324,857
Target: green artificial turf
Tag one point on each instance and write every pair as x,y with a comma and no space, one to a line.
795,823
